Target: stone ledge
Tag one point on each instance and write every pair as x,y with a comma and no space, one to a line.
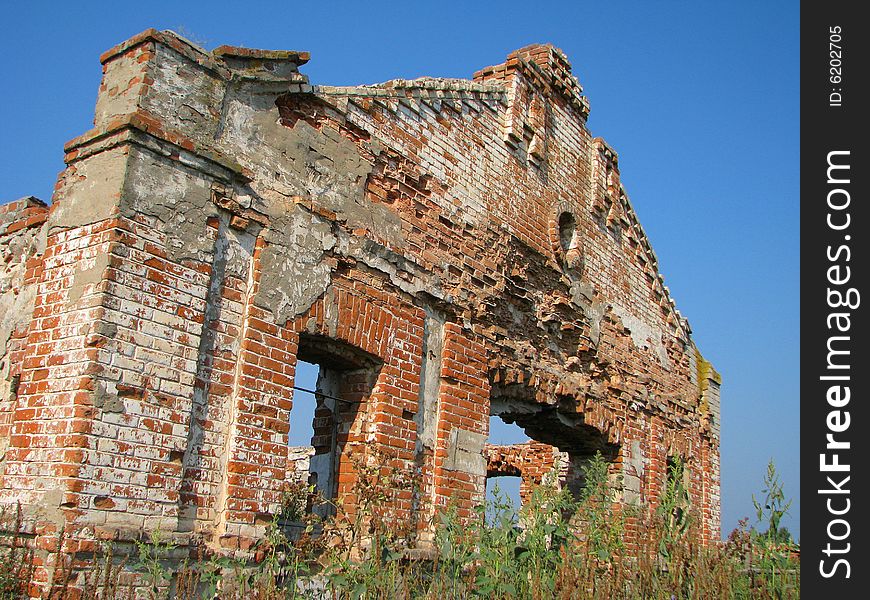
297,57
145,122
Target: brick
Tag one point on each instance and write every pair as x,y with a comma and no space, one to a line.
435,282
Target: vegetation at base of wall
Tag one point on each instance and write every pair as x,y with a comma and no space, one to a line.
16,556
555,547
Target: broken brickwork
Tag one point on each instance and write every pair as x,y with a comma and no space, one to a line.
445,250
535,464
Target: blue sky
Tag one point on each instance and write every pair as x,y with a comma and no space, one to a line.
700,100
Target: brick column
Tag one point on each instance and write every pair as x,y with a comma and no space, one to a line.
255,443
463,422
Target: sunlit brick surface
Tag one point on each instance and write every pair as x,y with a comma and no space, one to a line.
450,249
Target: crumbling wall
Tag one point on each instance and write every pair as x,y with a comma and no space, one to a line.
22,242
534,463
465,247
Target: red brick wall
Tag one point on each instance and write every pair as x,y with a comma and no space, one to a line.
20,227
535,463
202,231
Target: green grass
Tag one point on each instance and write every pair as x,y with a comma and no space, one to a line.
556,547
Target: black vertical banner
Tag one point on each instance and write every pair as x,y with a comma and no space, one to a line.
835,425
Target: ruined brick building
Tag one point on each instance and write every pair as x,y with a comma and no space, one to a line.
446,250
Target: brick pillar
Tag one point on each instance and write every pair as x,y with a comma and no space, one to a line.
255,454
50,445
463,422
384,424
21,229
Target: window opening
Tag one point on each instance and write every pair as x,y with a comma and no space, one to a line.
503,487
567,232
333,383
503,433
503,496
302,415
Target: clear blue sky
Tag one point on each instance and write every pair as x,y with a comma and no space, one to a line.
700,99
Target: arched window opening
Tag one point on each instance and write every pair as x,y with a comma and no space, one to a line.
567,232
